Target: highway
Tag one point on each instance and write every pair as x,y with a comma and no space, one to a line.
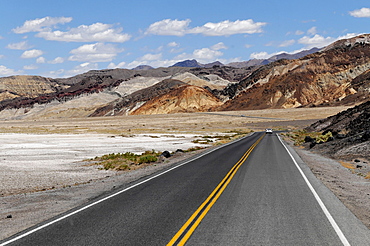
253,191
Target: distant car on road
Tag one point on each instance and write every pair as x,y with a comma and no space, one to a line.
268,131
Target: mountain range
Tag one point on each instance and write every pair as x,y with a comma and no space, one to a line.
338,74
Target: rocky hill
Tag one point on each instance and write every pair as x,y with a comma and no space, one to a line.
336,75
351,133
317,79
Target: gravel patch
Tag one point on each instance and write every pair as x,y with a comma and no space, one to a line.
347,180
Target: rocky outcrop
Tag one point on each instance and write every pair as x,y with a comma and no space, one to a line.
186,98
337,75
313,80
26,86
351,132
129,103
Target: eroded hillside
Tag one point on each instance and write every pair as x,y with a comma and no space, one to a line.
316,79
336,75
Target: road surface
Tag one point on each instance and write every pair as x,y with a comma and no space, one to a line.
250,192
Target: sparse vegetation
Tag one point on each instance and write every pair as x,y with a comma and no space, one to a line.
299,136
126,161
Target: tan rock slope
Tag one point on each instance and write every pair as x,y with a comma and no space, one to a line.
317,79
187,98
337,75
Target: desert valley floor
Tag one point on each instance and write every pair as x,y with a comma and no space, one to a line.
45,174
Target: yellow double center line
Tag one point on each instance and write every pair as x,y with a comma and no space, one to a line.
183,235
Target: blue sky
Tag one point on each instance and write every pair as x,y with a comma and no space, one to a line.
65,38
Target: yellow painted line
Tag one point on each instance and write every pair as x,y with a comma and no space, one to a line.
183,235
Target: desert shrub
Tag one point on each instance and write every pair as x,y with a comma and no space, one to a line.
147,159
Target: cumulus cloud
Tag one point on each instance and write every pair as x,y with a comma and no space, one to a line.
57,60
203,55
147,59
360,13
173,44
219,46
119,65
30,67
228,28
299,32
97,32
312,31
169,27
4,71
316,41
260,55
40,60
38,25
19,46
54,74
224,28
98,52
151,57
31,54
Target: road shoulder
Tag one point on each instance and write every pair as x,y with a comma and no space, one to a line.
354,230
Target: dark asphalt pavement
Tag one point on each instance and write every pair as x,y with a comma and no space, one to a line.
267,202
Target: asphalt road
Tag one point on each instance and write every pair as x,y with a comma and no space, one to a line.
245,196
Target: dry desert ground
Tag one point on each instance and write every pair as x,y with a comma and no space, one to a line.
43,172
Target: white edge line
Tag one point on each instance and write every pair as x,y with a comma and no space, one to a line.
322,205
114,194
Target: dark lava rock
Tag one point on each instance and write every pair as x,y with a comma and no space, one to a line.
309,139
166,154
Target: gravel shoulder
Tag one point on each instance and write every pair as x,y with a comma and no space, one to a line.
348,183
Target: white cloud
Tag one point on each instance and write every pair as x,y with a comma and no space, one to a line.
259,55
40,60
315,41
312,31
173,44
154,60
19,46
38,25
224,28
30,67
97,32
248,46
219,46
119,65
98,52
31,54
287,43
360,13
348,35
54,74
151,57
299,32
57,60
265,55
169,27
227,28
2,56
82,68
4,71
204,55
